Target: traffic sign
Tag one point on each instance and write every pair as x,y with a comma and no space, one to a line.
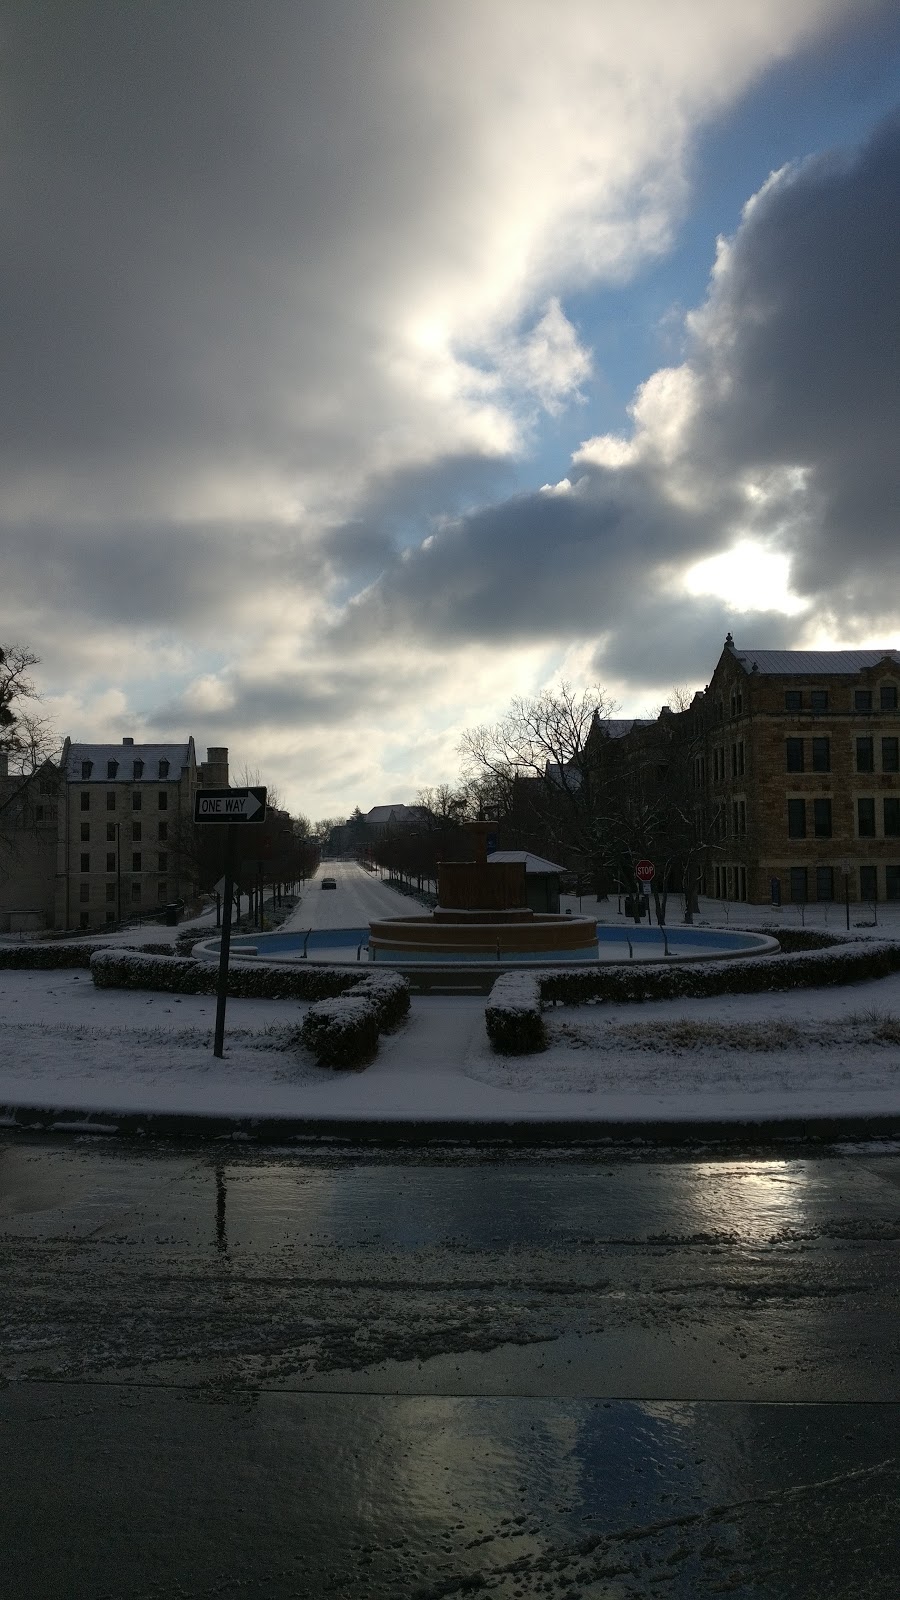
230,805
645,871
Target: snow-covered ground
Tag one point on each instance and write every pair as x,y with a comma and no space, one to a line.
827,1052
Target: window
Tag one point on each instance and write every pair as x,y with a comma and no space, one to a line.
862,699
110,916
890,755
822,819
162,890
136,890
85,832
887,697
39,813
821,754
163,831
824,883
162,862
892,883
110,860
865,819
110,891
84,920
868,883
798,885
794,748
110,799
739,817
87,768
164,768
865,755
137,800
793,699
110,833
112,768
136,831
818,699
162,800
85,860
737,702
85,800
892,818
138,770
135,860
84,891
737,760
796,819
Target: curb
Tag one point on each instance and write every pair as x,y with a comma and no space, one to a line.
289,1130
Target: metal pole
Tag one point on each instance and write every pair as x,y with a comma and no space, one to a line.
846,896
225,946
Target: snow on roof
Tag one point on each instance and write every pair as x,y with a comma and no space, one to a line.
101,757
532,862
804,663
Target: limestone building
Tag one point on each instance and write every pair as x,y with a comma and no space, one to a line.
125,813
800,768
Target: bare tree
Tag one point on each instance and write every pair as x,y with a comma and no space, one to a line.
26,737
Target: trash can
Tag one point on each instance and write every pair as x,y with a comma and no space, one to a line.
172,915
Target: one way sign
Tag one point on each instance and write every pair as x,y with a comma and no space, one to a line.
230,805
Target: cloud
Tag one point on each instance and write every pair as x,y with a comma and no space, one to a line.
779,430
284,297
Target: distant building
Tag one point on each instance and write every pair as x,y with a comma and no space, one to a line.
29,821
381,819
542,878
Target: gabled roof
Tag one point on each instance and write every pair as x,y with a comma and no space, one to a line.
532,862
803,663
125,755
379,816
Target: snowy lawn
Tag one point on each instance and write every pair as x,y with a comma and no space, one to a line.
828,1052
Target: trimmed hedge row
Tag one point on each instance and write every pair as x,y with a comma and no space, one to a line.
42,957
339,1034
513,1014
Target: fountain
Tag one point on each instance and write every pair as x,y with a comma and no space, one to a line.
482,915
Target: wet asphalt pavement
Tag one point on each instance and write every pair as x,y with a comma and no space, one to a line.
239,1372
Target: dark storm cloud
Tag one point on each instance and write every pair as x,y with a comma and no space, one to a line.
793,368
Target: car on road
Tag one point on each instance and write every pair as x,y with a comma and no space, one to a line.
329,883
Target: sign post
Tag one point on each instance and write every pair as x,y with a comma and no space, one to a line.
231,808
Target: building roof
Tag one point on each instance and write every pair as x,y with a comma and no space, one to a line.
100,756
803,663
381,816
532,862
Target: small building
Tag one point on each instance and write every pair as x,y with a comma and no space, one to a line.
542,878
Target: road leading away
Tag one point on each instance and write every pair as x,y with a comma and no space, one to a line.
444,1373
359,897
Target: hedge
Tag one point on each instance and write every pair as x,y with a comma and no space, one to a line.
342,1032
348,1011
43,956
513,1014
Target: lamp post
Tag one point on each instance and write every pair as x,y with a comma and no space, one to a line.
846,869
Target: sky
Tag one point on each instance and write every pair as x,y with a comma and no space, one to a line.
366,366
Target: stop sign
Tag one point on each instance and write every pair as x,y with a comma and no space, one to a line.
645,871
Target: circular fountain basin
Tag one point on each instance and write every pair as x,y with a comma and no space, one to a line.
611,944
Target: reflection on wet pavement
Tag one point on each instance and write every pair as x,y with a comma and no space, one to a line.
447,1373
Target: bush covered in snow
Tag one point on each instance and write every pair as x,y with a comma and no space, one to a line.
44,956
846,962
341,1032
132,969
389,993
513,1018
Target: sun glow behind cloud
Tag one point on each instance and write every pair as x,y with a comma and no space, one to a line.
747,578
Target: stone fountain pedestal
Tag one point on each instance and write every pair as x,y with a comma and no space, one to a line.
482,915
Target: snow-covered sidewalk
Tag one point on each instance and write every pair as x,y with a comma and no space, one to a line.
805,1054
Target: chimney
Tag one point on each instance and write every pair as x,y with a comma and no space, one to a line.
128,741
214,770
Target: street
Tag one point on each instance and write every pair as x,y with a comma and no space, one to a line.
445,1371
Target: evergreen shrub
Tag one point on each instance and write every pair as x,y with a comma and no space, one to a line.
341,1032
513,1015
